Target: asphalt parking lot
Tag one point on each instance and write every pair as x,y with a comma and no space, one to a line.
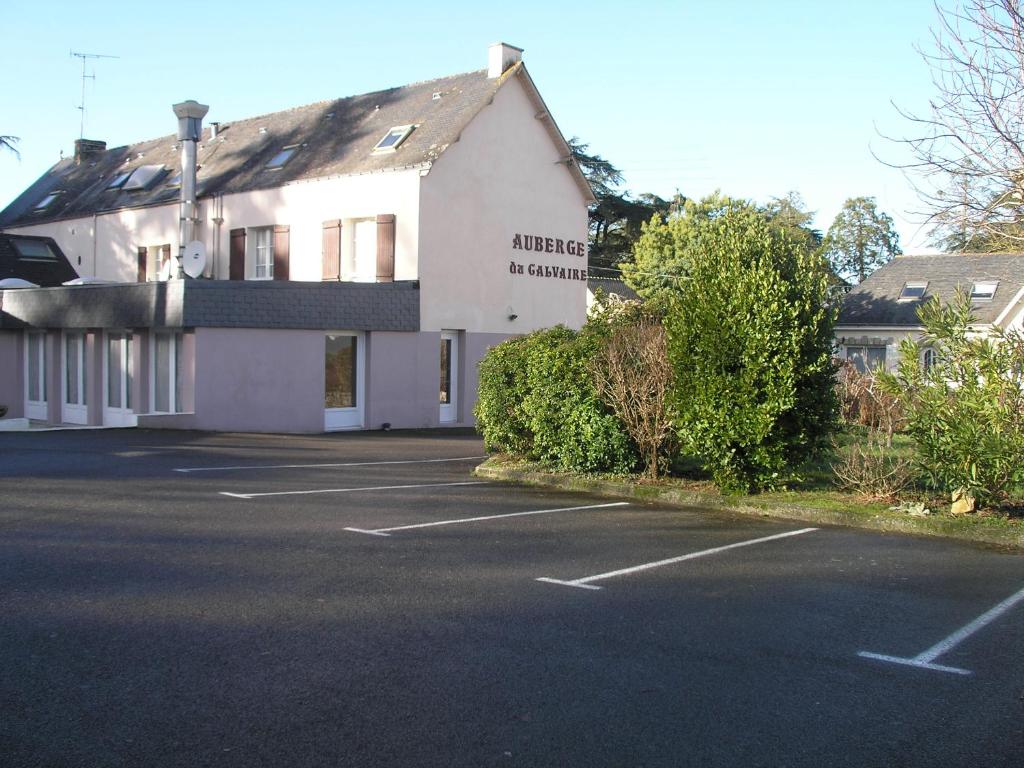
187,599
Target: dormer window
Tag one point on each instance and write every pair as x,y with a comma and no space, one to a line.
143,177
33,250
282,157
46,202
984,291
118,181
393,138
913,290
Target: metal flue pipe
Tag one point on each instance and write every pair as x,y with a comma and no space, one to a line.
190,129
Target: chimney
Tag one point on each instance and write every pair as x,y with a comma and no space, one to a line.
87,149
190,116
501,56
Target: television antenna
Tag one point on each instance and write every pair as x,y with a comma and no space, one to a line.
84,57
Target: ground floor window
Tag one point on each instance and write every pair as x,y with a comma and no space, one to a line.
119,379
167,372
75,376
343,380
866,359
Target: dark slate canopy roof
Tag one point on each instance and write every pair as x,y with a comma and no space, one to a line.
36,259
875,302
335,138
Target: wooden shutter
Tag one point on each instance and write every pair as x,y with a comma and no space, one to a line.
281,252
141,264
165,257
332,250
236,267
386,248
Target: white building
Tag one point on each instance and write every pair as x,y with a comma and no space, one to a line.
880,312
360,257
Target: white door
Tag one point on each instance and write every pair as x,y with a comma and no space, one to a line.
449,390
73,378
118,381
344,370
35,376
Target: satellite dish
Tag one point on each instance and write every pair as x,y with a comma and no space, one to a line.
165,272
194,259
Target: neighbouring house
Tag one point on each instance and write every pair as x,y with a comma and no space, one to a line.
612,288
352,259
880,312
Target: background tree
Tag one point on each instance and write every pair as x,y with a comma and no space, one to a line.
616,218
968,150
750,342
789,213
860,239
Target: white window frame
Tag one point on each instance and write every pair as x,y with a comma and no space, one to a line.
984,290
262,252
349,418
74,412
121,414
449,412
350,256
913,285
400,132
174,370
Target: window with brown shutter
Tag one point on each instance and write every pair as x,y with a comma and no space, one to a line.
332,250
236,266
141,264
385,248
281,252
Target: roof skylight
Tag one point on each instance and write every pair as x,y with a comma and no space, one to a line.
913,290
984,291
143,177
33,250
46,202
393,138
118,181
282,157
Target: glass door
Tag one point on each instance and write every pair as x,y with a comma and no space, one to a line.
73,379
35,376
118,381
343,381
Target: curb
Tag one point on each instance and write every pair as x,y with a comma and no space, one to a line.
681,497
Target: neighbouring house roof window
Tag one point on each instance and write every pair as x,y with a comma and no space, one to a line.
118,181
143,177
46,202
282,157
913,290
393,138
984,291
33,250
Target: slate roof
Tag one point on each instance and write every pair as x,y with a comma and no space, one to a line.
46,266
876,300
337,138
612,286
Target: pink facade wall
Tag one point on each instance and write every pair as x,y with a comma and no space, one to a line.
12,374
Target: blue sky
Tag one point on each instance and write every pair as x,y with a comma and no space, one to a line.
754,98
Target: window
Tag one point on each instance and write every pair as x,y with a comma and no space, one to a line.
263,253
175,180
118,181
143,177
46,202
929,358
393,138
167,372
361,265
33,250
984,291
913,290
282,157
866,359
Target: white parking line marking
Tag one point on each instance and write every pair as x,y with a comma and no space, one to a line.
924,659
389,531
321,466
348,490
584,583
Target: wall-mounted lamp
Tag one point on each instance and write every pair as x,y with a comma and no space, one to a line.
512,314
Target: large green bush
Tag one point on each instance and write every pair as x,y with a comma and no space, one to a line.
499,410
537,399
966,411
750,340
